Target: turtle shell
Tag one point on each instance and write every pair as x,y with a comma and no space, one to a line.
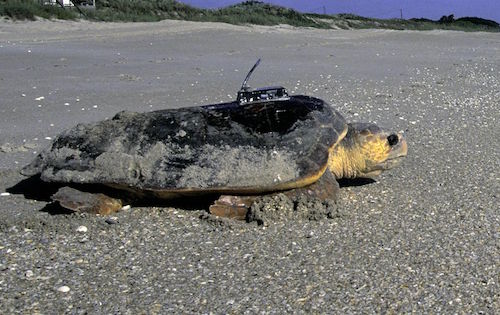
252,148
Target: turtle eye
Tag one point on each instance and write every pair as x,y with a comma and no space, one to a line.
392,140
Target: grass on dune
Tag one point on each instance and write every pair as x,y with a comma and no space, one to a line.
248,12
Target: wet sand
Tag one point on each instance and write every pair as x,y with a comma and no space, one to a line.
423,237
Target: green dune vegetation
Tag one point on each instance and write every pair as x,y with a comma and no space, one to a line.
248,12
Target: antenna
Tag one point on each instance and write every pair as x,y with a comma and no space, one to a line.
244,86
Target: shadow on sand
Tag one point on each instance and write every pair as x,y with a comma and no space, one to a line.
344,182
34,188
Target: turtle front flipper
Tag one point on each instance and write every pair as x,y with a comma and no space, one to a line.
234,207
237,207
80,201
326,187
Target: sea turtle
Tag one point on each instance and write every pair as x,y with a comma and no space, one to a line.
264,142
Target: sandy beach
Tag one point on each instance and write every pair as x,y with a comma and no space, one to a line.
423,238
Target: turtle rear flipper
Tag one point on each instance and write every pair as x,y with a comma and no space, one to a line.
237,207
80,201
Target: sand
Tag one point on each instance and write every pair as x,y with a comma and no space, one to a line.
424,237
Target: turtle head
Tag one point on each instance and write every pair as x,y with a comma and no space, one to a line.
366,151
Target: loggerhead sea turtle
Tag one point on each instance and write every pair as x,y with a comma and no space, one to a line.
264,142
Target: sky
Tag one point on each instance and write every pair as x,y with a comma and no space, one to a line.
431,9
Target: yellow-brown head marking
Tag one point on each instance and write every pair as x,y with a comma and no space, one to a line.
366,151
